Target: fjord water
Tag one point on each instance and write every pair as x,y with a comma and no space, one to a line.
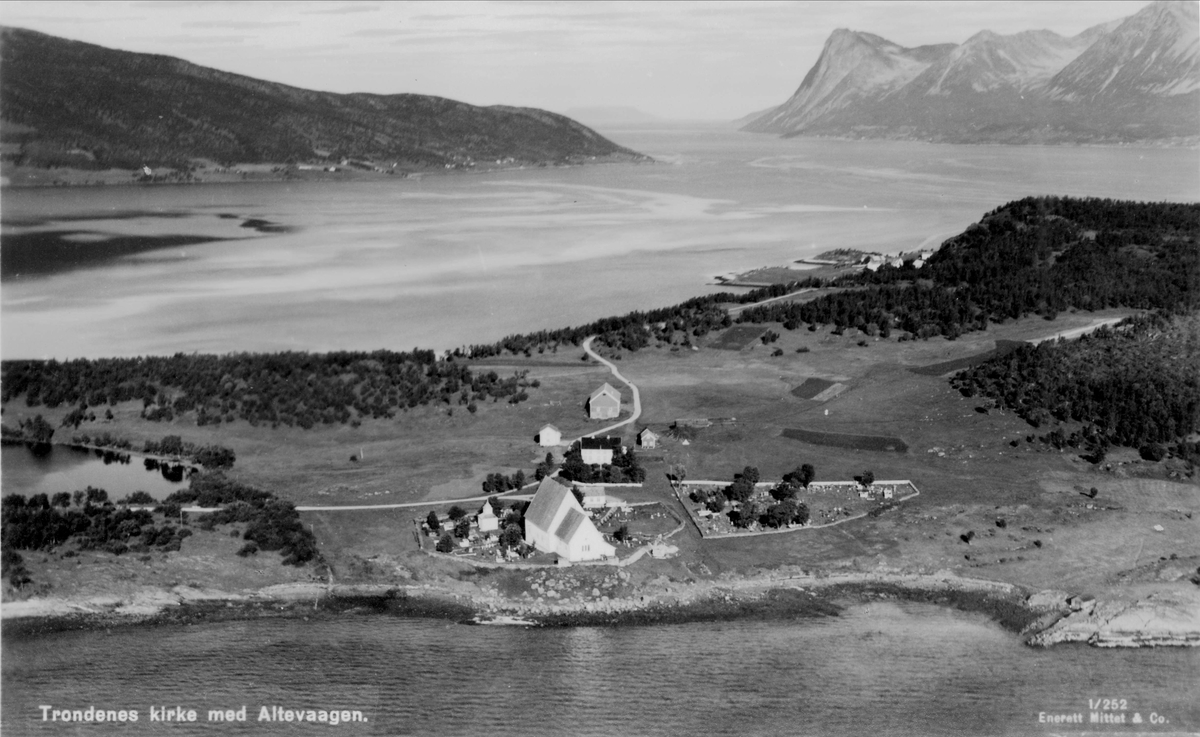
448,261
882,669
453,260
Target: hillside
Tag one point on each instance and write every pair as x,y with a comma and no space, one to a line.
1136,79
69,103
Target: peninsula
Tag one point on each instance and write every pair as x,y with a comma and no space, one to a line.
1034,379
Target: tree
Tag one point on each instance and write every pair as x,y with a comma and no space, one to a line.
462,528
868,478
806,474
622,533
511,537
740,490
432,521
445,544
750,473
61,499
456,513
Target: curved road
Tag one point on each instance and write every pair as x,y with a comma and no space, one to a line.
637,398
587,347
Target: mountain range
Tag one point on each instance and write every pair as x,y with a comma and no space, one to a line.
69,103
1134,79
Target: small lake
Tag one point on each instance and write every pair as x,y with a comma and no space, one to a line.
49,470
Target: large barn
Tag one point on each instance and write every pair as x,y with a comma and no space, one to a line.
555,523
604,403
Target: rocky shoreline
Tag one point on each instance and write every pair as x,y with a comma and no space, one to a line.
1042,620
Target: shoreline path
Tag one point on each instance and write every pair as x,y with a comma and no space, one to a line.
587,347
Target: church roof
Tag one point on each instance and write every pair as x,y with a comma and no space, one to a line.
570,524
546,500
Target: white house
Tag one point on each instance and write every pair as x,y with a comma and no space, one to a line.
487,519
647,439
549,436
555,523
598,450
604,403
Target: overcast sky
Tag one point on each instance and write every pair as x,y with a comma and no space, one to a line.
694,60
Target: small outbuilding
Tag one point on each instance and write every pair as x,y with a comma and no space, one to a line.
604,403
549,436
487,519
647,439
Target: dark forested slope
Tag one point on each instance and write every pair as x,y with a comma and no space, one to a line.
302,389
68,102
1039,255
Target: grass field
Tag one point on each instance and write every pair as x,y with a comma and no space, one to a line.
812,387
969,473
1003,347
845,440
737,337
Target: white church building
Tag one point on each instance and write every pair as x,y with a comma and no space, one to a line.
556,523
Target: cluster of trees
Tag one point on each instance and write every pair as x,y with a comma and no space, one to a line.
498,482
36,430
271,523
624,469
677,324
86,517
786,509
293,389
1135,385
210,456
1034,256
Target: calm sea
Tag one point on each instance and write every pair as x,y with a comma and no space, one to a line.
448,261
882,669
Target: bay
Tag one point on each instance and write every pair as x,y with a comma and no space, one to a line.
453,260
886,668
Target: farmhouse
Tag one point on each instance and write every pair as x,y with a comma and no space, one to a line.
549,436
555,523
598,450
604,403
647,439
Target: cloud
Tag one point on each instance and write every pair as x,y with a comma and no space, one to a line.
343,10
239,24
379,32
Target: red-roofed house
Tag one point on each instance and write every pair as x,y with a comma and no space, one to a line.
555,523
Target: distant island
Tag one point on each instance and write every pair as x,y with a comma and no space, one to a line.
1133,80
69,104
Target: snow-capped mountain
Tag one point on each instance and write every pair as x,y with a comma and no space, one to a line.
1132,79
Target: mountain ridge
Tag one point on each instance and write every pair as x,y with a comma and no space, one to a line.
70,103
1132,79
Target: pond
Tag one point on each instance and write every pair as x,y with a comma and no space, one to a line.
50,469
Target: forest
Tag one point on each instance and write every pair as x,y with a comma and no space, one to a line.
1135,385
1039,255
292,389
